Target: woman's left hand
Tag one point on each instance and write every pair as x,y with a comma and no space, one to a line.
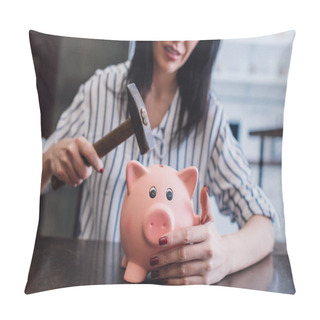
195,255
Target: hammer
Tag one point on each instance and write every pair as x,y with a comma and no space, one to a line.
137,124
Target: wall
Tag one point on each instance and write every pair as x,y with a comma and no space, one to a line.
78,59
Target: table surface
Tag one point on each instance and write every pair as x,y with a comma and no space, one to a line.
59,263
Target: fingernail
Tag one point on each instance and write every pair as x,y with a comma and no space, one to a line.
155,274
163,241
206,189
78,184
101,170
154,261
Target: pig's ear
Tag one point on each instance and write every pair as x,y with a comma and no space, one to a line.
135,170
189,176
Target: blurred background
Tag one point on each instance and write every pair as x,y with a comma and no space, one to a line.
249,79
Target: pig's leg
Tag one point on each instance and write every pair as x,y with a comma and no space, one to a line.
124,262
134,273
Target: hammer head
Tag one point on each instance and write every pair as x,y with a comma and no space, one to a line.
139,120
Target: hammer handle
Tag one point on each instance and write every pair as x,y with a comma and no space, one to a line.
114,138
104,145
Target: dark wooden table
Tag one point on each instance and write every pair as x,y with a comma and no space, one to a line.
59,263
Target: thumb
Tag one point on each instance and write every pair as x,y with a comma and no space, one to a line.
206,209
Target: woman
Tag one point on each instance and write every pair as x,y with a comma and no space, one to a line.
190,128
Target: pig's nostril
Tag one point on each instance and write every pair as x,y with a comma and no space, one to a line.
163,225
157,222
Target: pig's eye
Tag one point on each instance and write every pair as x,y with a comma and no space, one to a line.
169,194
152,192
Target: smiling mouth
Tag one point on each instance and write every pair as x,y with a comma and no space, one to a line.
172,51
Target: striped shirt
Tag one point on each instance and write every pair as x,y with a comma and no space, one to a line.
99,107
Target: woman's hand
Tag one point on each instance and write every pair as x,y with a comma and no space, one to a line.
70,160
199,254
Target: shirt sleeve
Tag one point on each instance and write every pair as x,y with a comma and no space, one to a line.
230,178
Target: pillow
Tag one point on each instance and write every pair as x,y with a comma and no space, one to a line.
249,80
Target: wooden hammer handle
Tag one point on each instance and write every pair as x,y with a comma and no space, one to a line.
104,145
114,138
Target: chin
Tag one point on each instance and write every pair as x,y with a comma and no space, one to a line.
169,68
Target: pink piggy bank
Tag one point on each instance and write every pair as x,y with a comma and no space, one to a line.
158,200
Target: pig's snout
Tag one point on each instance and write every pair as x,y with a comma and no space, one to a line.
159,220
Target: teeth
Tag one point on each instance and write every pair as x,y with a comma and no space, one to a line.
171,50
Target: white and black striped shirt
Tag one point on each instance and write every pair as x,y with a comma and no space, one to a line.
99,107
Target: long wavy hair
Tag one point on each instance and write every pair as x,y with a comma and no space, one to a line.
193,79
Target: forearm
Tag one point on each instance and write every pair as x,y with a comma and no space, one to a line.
250,244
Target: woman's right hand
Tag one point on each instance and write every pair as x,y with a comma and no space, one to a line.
68,160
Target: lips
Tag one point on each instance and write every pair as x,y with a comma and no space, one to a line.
171,52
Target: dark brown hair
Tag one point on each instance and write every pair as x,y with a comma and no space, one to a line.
193,79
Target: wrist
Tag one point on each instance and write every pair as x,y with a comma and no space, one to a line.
230,264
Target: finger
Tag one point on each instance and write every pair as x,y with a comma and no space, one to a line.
63,169
89,153
193,280
73,178
78,170
181,270
183,236
181,254
206,209
62,174
69,175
